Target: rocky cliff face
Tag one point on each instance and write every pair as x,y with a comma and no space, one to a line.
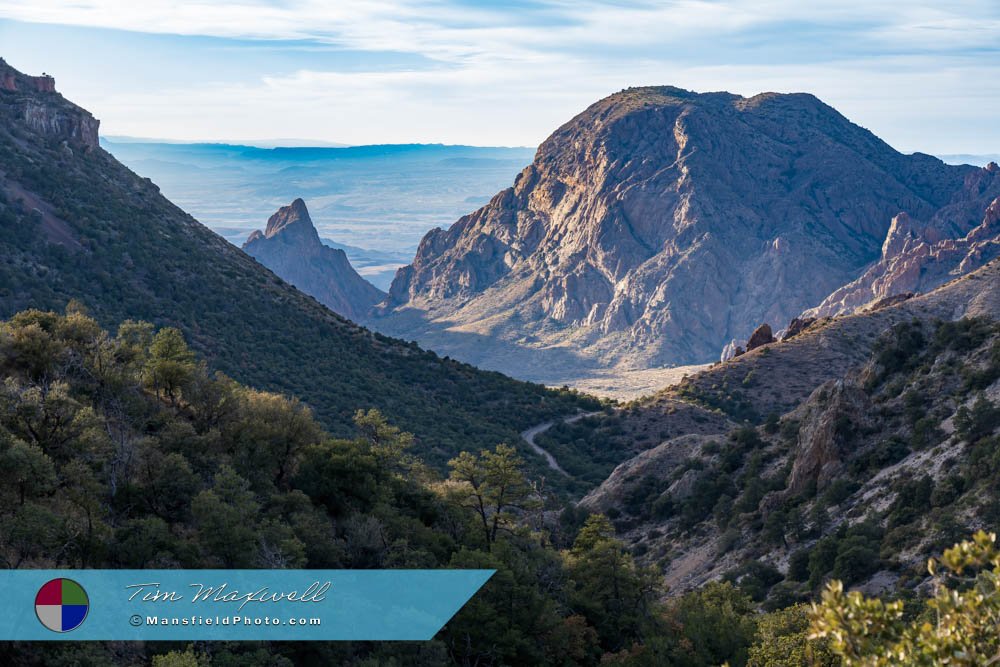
919,256
659,224
290,246
44,111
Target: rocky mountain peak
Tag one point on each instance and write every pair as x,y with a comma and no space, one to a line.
993,212
902,230
658,224
291,247
292,220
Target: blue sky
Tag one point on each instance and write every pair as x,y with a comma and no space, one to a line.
924,76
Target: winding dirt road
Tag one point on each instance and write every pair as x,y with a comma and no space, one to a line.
533,432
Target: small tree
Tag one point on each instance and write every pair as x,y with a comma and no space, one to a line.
171,363
979,421
28,472
387,442
493,486
607,587
227,517
962,628
782,640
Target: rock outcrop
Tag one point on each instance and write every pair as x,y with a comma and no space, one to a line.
797,326
659,224
732,350
760,337
831,417
44,111
917,257
290,246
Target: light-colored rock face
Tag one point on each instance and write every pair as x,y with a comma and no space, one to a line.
74,126
659,224
917,257
290,246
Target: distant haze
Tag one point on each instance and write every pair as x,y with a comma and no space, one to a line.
374,202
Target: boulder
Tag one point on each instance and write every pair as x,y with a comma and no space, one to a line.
761,336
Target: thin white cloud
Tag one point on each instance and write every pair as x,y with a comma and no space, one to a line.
922,104
509,76
451,31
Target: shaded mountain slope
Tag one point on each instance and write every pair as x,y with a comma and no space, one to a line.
76,224
290,246
918,256
659,224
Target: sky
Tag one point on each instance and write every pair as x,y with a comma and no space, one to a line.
924,76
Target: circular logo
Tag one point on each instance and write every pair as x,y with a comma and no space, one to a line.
61,605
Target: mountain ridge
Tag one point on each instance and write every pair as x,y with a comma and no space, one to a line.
919,256
658,222
763,464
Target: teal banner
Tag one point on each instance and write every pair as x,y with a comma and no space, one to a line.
295,605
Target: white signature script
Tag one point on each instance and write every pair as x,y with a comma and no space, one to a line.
150,592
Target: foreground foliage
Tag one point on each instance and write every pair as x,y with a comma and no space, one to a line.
959,626
125,452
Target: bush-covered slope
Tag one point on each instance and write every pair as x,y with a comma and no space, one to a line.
125,452
76,224
851,451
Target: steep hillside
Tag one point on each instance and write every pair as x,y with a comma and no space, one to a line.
290,246
76,224
851,450
659,224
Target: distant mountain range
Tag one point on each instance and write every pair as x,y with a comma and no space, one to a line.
659,224
973,159
655,229
255,143
378,201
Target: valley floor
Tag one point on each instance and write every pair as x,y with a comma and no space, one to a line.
628,385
